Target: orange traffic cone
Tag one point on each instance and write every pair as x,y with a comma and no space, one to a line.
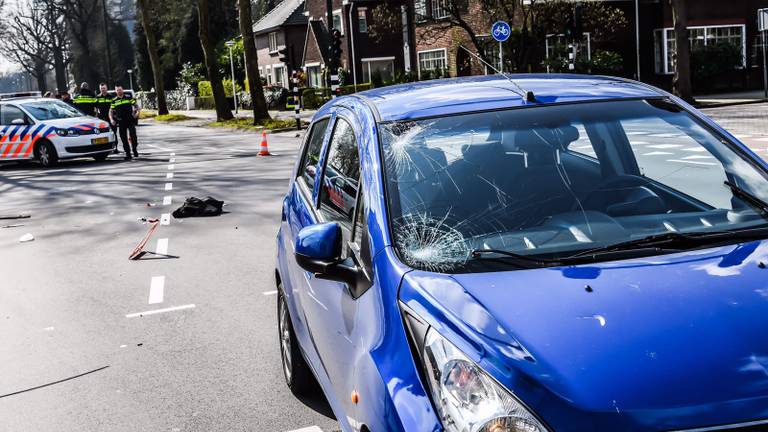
264,149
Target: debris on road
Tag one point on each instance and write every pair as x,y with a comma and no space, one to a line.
146,220
139,251
151,204
26,238
193,207
19,216
12,226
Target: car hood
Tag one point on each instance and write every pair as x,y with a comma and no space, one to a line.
84,122
661,343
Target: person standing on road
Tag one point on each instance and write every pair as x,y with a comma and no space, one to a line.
103,106
123,114
85,101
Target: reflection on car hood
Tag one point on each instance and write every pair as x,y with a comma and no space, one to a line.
76,121
660,343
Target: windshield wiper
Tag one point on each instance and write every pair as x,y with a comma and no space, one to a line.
673,241
518,257
747,196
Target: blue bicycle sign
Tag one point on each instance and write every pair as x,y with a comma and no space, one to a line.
501,31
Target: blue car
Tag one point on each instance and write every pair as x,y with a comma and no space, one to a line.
526,253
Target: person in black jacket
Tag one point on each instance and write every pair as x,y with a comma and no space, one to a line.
123,114
85,101
103,105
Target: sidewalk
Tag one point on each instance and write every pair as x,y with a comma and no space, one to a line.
210,115
735,98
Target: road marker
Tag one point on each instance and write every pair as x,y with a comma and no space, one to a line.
159,311
172,160
169,175
170,167
162,246
165,219
173,154
169,186
308,429
269,293
167,200
156,288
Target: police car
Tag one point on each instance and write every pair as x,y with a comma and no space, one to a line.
49,130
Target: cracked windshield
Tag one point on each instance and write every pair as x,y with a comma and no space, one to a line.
548,183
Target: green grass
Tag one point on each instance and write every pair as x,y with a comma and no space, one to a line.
172,117
147,114
247,124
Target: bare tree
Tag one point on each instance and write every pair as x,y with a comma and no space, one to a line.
154,58
219,97
82,18
252,62
681,83
26,42
58,42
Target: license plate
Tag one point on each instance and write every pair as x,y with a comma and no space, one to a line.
102,140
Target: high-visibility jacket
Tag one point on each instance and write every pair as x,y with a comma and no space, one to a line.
103,105
122,108
85,101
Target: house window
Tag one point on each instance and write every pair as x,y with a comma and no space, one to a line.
338,21
665,44
279,76
313,76
557,47
440,8
362,21
433,60
384,66
420,10
273,42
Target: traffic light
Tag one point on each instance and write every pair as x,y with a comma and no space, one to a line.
336,47
578,22
283,55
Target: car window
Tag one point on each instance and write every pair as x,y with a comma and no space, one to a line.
338,191
675,158
509,181
308,166
51,110
9,113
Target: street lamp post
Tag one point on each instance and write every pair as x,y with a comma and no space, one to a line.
637,36
230,44
130,78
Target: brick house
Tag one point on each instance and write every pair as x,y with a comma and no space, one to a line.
436,42
284,27
362,55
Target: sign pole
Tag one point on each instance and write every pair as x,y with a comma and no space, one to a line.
765,68
501,58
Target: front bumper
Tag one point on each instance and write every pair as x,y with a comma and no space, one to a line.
78,146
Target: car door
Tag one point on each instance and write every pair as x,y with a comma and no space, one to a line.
330,307
15,142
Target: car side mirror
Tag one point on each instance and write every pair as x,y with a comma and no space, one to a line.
18,121
318,250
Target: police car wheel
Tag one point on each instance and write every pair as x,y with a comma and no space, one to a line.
46,154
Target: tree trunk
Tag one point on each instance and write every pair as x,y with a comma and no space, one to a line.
40,76
219,97
681,83
154,58
252,62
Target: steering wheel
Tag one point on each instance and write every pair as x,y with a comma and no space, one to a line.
607,185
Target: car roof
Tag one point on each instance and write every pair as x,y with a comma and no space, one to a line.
478,93
24,100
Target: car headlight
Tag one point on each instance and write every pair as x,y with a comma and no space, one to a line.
66,132
467,398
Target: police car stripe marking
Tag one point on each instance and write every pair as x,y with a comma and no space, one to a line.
19,146
7,150
13,133
23,133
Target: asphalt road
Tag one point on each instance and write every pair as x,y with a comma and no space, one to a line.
76,356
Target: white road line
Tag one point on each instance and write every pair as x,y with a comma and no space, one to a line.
173,154
172,160
170,167
162,246
169,175
156,287
692,162
308,429
665,146
157,311
167,200
157,147
762,139
165,219
169,186
657,153
269,293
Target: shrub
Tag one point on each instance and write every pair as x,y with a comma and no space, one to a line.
310,98
190,77
606,63
712,61
204,89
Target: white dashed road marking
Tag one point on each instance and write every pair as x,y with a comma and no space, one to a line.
162,246
172,160
167,200
169,175
170,167
158,311
156,289
169,186
165,219
269,293
308,429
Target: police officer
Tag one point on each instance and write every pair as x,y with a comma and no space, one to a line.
103,105
123,114
85,101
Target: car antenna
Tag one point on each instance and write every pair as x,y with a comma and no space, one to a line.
527,94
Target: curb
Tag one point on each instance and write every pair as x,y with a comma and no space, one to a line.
728,104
